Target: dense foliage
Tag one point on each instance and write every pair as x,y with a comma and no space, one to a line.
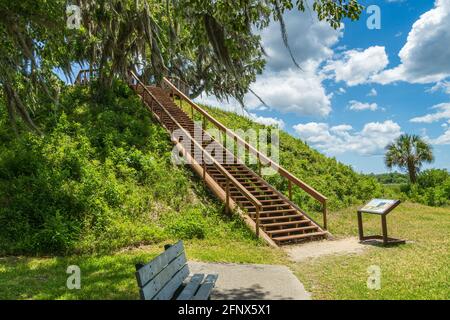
212,45
98,180
432,188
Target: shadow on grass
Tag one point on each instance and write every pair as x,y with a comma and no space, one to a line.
102,277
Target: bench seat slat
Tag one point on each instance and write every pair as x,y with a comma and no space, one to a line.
190,289
205,290
171,287
151,269
160,280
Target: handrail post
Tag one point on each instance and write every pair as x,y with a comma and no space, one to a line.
257,221
227,200
290,189
203,164
325,215
259,166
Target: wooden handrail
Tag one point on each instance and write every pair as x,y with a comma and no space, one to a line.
282,171
256,203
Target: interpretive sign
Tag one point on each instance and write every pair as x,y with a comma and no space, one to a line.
380,206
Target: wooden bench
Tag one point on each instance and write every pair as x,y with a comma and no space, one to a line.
164,277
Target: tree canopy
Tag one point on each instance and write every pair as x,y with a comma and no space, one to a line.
409,152
212,45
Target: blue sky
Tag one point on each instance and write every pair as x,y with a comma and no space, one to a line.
359,88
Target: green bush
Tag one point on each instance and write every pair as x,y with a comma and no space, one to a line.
432,188
99,179
186,225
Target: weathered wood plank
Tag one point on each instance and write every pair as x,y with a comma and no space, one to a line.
161,279
190,289
151,269
169,289
205,290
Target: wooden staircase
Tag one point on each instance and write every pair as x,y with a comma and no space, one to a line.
272,215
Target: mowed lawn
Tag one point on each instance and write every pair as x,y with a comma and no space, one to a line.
419,269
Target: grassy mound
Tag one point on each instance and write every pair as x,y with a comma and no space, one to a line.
99,179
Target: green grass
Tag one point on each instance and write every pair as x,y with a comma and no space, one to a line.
417,270
111,276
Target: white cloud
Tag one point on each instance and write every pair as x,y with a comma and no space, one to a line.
443,139
309,39
442,113
359,106
268,121
372,93
425,58
357,67
443,86
292,91
371,140
284,87
341,128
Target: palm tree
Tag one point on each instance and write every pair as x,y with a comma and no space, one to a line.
408,152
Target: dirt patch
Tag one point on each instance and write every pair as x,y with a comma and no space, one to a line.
317,249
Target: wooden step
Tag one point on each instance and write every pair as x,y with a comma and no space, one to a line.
277,211
299,236
288,230
281,224
293,216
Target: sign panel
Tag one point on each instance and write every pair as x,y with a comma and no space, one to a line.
379,206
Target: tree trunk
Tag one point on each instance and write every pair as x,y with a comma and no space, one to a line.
412,172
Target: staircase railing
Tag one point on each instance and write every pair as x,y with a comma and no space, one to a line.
211,160
292,180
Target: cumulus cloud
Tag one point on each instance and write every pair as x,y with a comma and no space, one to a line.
282,86
442,113
292,92
371,140
268,121
425,58
359,106
443,139
309,39
356,67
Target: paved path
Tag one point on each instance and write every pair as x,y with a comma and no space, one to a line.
317,249
252,281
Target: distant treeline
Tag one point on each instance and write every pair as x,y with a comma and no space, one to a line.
432,187
391,177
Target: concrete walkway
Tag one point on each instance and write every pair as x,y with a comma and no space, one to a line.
252,281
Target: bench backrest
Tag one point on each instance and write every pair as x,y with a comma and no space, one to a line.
160,278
